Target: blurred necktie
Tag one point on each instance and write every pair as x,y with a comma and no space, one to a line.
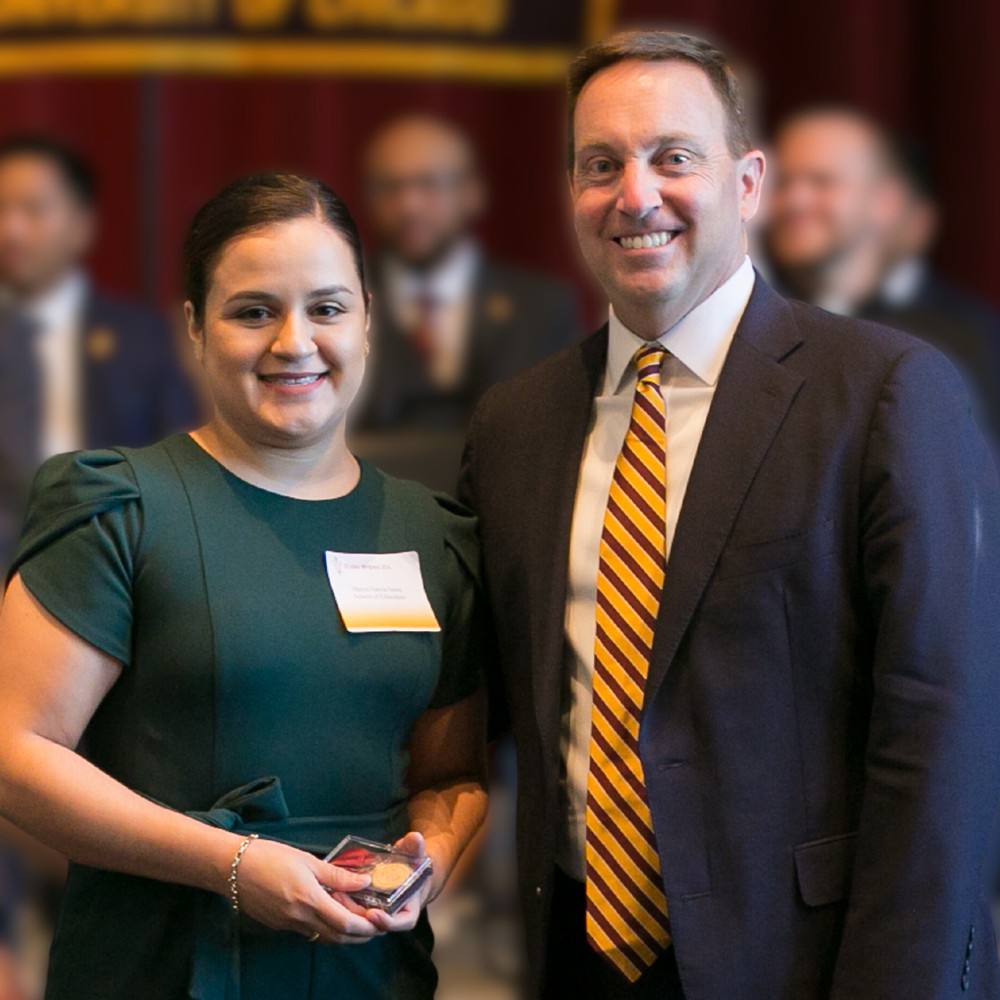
627,918
424,333
20,423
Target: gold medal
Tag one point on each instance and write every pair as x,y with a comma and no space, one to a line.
390,875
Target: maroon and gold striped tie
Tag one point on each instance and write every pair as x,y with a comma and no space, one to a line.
627,918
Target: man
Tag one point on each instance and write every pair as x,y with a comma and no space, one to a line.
837,199
744,563
77,369
853,220
448,322
915,298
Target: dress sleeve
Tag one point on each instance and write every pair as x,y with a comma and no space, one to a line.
465,640
77,550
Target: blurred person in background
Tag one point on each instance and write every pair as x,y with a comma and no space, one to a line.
78,369
448,320
852,223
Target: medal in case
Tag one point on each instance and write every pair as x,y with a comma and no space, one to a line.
395,875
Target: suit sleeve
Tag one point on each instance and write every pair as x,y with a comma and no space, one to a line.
930,549
177,405
499,716
566,328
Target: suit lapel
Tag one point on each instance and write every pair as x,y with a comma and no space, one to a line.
91,398
557,461
484,342
753,395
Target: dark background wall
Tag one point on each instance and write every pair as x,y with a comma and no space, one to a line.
161,145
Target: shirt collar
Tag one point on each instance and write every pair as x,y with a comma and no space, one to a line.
902,284
448,281
700,340
59,306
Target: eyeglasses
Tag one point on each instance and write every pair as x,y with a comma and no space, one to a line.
426,184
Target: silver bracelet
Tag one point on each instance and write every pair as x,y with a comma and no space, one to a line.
234,889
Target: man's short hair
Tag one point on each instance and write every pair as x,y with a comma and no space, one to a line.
75,171
664,46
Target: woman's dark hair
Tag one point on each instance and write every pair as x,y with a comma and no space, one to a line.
251,203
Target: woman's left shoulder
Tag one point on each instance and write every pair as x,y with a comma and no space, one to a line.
453,522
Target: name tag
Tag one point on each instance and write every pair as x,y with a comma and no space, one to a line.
380,592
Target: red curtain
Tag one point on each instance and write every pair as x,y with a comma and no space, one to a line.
162,145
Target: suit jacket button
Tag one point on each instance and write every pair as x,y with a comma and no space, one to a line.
965,968
965,981
538,891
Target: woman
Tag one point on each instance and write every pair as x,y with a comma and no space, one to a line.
170,606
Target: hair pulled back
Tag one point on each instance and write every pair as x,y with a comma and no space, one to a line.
252,203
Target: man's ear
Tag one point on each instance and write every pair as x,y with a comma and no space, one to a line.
86,231
195,331
750,178
476,198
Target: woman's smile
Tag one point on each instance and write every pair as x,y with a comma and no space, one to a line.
294,383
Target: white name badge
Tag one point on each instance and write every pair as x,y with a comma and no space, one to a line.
380,592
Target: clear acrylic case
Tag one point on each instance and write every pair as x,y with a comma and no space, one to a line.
395,875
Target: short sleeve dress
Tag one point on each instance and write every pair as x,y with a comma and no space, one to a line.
243,701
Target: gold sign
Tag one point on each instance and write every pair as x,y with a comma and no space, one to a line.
490,40
478,16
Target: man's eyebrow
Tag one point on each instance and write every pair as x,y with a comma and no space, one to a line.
658,142
595,146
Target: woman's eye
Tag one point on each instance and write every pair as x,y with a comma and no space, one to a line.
328,310
255,314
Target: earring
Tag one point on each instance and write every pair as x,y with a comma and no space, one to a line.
367,348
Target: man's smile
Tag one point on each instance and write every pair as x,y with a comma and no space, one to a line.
646,241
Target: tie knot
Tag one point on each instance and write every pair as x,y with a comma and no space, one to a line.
648,361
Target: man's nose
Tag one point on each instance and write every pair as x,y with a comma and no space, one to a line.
294,339
792,193
640,191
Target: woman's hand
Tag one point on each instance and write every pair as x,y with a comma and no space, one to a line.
406,917
289,890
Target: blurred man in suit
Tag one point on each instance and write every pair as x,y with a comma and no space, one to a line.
743,558
78,369
852,222
448,321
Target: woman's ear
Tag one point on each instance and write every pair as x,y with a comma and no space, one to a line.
195,331
368,312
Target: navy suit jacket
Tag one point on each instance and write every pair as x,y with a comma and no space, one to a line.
965,330
135,391
516,320
820,727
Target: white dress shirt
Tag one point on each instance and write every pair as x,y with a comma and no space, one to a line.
450,285
59,314
698,346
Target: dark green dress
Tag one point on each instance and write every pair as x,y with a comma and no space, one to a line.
243,700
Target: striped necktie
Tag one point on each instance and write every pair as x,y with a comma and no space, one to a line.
627,918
